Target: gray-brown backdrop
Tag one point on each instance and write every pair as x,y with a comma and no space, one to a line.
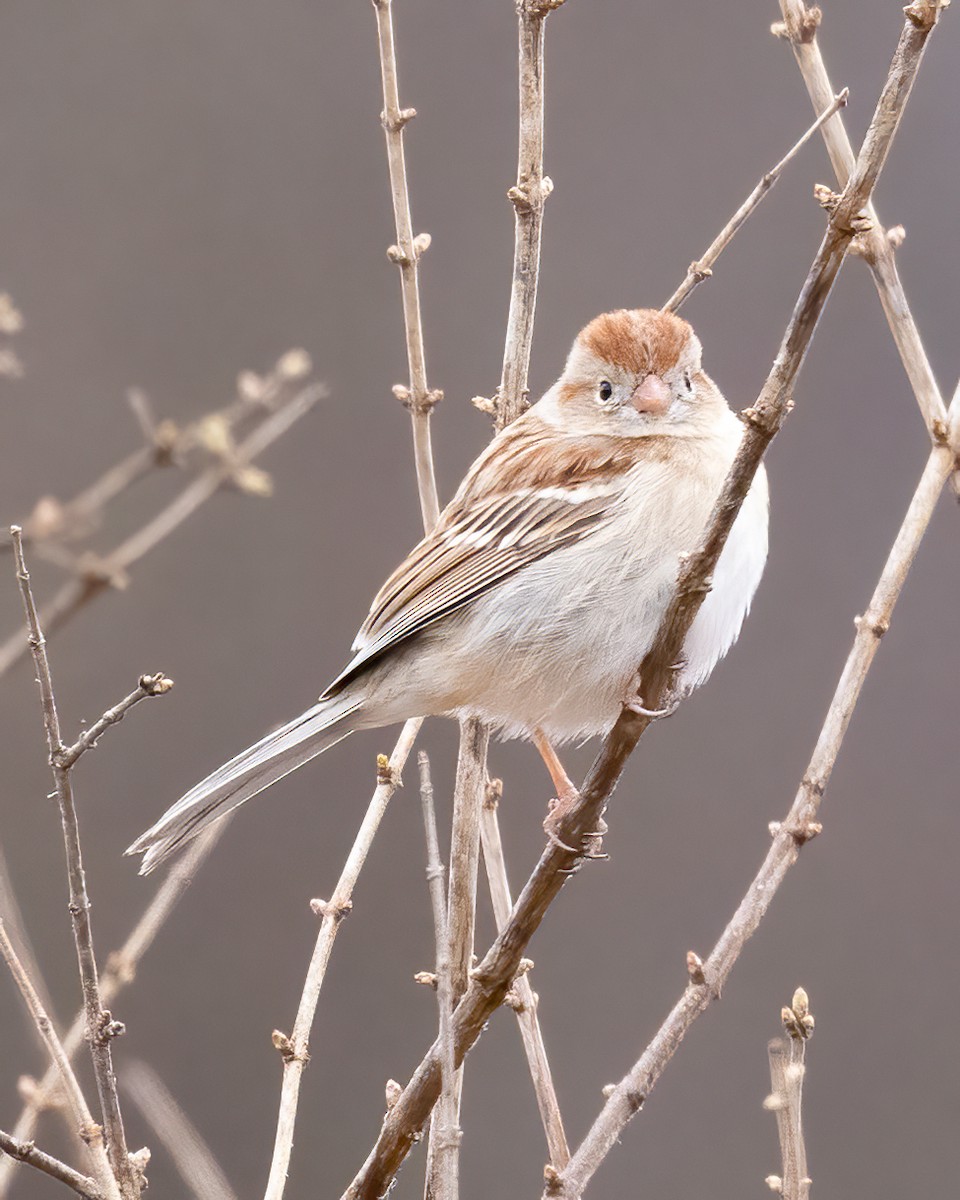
190,189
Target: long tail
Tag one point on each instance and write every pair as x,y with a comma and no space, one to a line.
257,767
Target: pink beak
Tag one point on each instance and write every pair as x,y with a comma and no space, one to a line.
652,396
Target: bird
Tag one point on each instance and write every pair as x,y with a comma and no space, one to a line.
533,600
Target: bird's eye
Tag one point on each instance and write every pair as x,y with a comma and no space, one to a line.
687,381
606,390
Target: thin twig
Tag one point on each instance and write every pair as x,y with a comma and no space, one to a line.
787,1070
526,1003
418,397
789,836
16,927
491,978
90,1132
121,969
528,196
149,685
703,267
27,1152
294,1049
445,1133
196,1166
77,592
462,892
100,1026
800,27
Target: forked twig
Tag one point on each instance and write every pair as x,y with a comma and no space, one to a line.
491,978
120,970
443,1181
17,1151
702,268
196,1166
90,1132
406,254
77,592
526,1003
100,1026
799,26
294,1049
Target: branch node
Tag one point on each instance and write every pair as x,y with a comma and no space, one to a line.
607,1090
486,404
774,1183
327,908
108,1028
552,1183
798,1020
877,627
695,968
428,979
925,13
90,1134
288,1051
896,235
799,30
155,685
386,773
392,1093
492,794
394,122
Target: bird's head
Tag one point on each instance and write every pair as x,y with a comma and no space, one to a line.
633,372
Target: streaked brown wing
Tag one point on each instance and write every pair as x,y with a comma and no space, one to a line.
474,548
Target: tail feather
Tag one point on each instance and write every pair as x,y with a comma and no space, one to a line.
250,772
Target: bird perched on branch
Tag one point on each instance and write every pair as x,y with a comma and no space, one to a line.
535,598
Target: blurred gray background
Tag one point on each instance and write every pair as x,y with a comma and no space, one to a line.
189,190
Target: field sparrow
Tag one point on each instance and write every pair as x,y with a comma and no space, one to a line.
533,601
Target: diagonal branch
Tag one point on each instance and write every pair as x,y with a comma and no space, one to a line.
703,267
294,1049
112,569
406,254
121,969
90,1132
493,975
789,836
26,1152
799,26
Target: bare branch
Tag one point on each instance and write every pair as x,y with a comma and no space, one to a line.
294,1049
406,254
112,569
787,1070
149,685
789,836
90,1132
492,976
526,1002
800,27
100,1026
528,197
120,971
199,1170
27,1152
443,1181
703,268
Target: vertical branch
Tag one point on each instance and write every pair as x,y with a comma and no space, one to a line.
528,198
100,1026
90,1132
294,1049
462,894
406,254
787,1070
525,1002
445,1133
